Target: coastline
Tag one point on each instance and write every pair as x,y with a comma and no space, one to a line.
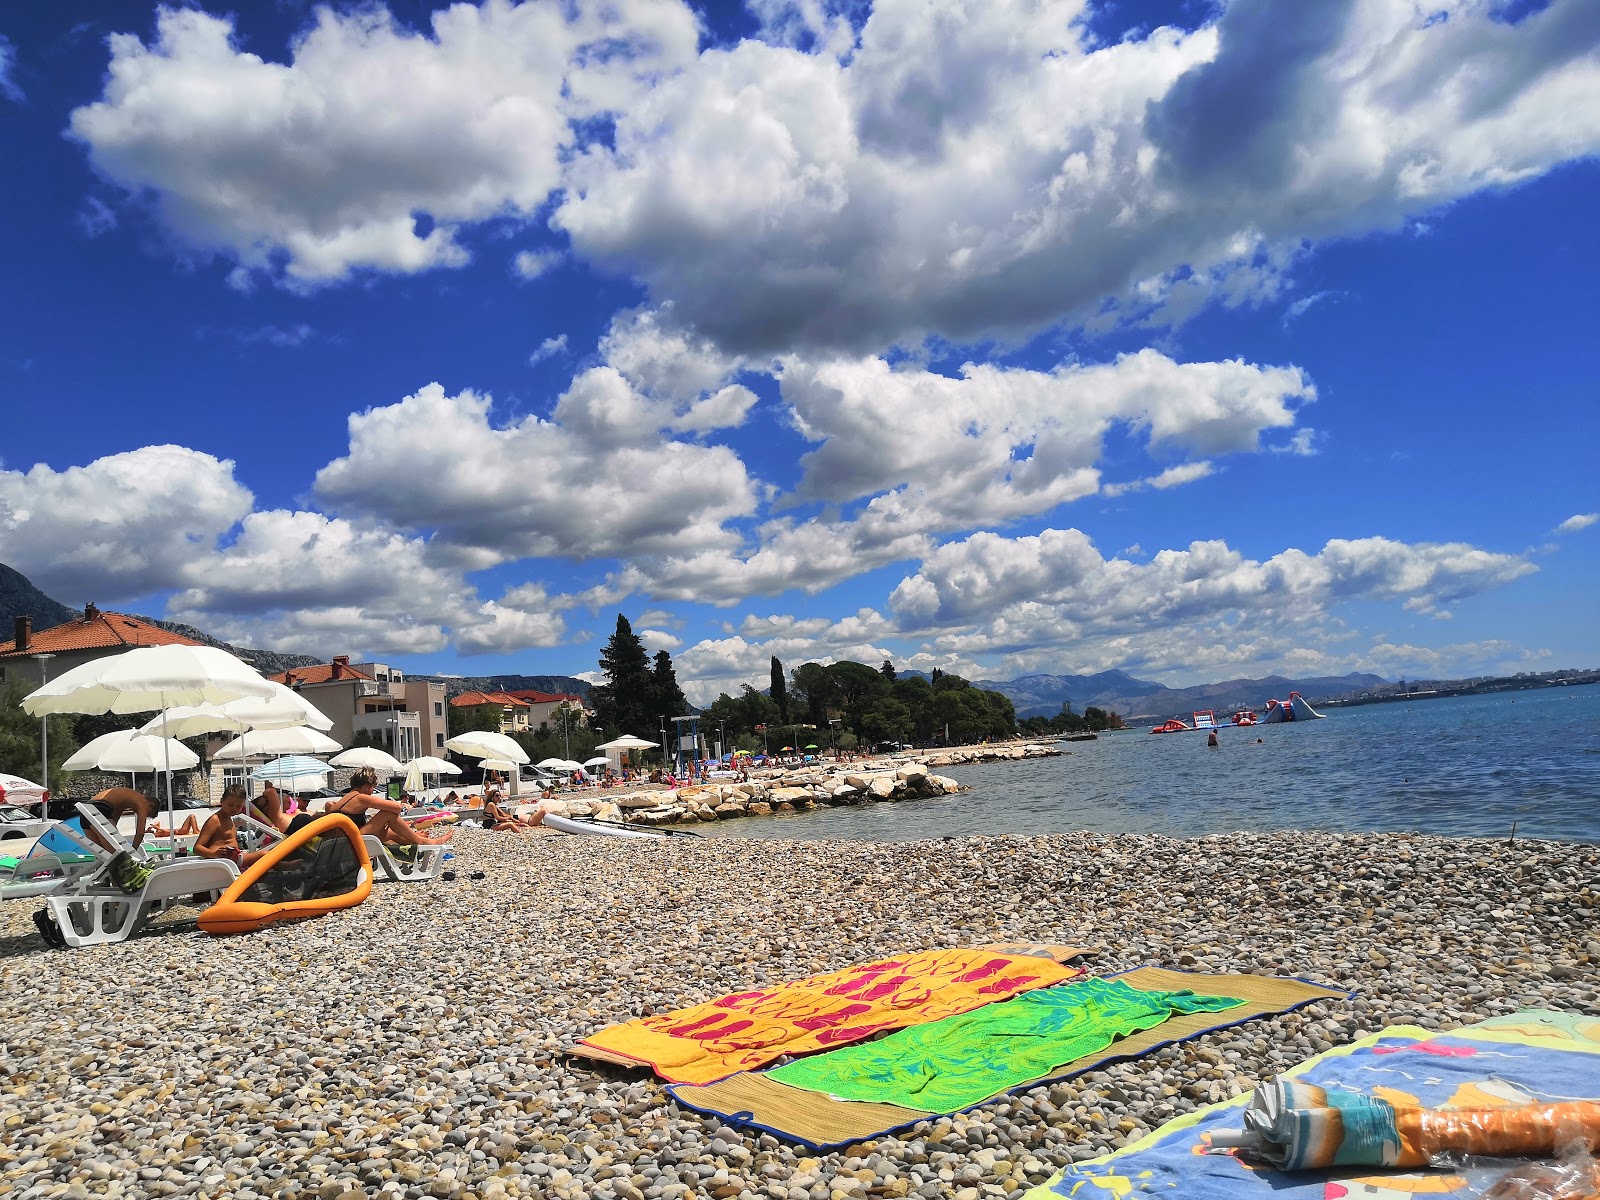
414,1041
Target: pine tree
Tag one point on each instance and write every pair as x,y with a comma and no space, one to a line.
887,671
780,690
669,697
625,701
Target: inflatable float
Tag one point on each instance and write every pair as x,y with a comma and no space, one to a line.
609,829
315,870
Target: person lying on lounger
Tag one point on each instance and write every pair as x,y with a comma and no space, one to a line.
503,820
378,815
217,837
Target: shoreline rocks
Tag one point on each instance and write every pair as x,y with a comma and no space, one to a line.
902,777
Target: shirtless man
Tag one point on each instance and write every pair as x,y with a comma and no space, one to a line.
217,837
113,803
378,815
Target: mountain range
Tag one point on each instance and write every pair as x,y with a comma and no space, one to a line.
1135,700
1138,700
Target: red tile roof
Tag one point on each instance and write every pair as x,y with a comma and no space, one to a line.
321,673
474,699
530,697
99,631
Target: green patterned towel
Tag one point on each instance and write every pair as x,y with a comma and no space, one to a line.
948,1065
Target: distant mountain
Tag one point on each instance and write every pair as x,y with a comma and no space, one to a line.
268,662
19,598
554,684
1139,700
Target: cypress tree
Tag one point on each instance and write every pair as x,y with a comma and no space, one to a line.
780,690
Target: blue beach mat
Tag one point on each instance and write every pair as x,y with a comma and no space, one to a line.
1529,1057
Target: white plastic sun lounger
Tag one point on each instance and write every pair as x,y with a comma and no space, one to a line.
428,864
93,911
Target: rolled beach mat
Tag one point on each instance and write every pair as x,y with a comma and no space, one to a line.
1299,1127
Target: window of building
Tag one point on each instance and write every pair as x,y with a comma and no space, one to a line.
438,709
438,740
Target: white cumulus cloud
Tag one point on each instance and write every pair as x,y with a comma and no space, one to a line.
323,163
1580,521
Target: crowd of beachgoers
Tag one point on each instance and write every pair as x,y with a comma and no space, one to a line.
414,1045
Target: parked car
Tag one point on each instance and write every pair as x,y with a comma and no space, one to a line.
17,822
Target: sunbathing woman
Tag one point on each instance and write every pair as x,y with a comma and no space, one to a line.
506,821
379,815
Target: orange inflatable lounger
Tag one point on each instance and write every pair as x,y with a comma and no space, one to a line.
317,869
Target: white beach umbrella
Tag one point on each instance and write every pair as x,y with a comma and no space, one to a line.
628,742
87,757
413,781
283,709
497,764
148,678
483,744
369,756
437,766
146,752
190,720
599,760
295,740
552,764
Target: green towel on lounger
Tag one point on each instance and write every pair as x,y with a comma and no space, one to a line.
948,1065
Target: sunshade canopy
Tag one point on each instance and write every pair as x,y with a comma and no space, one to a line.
436,766
294,768
369,756
147,678
483,744
628,742
87,757
142,752
298,740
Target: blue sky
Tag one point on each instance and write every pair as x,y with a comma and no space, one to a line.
1198,340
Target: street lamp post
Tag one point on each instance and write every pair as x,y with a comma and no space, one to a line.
833,735
722,738
44,732
663,741
566,733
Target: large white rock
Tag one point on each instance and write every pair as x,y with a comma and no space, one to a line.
881,786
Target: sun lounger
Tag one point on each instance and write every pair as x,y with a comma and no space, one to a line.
59,857
92,910
99,914
399,867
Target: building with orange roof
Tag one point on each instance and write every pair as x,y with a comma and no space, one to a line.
513,714
94,635
406,716
545,708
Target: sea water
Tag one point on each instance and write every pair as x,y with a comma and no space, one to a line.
1467,765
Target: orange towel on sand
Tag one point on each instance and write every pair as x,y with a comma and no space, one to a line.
746,1030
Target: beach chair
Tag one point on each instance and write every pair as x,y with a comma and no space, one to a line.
398,867
60,856
92,910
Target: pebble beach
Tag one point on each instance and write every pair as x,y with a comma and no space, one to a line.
413,1046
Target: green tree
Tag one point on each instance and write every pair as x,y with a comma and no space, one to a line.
887,671
813,683
780,692
669,698
625,700
20,736
886,719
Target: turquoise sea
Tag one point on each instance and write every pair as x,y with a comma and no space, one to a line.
1468,765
